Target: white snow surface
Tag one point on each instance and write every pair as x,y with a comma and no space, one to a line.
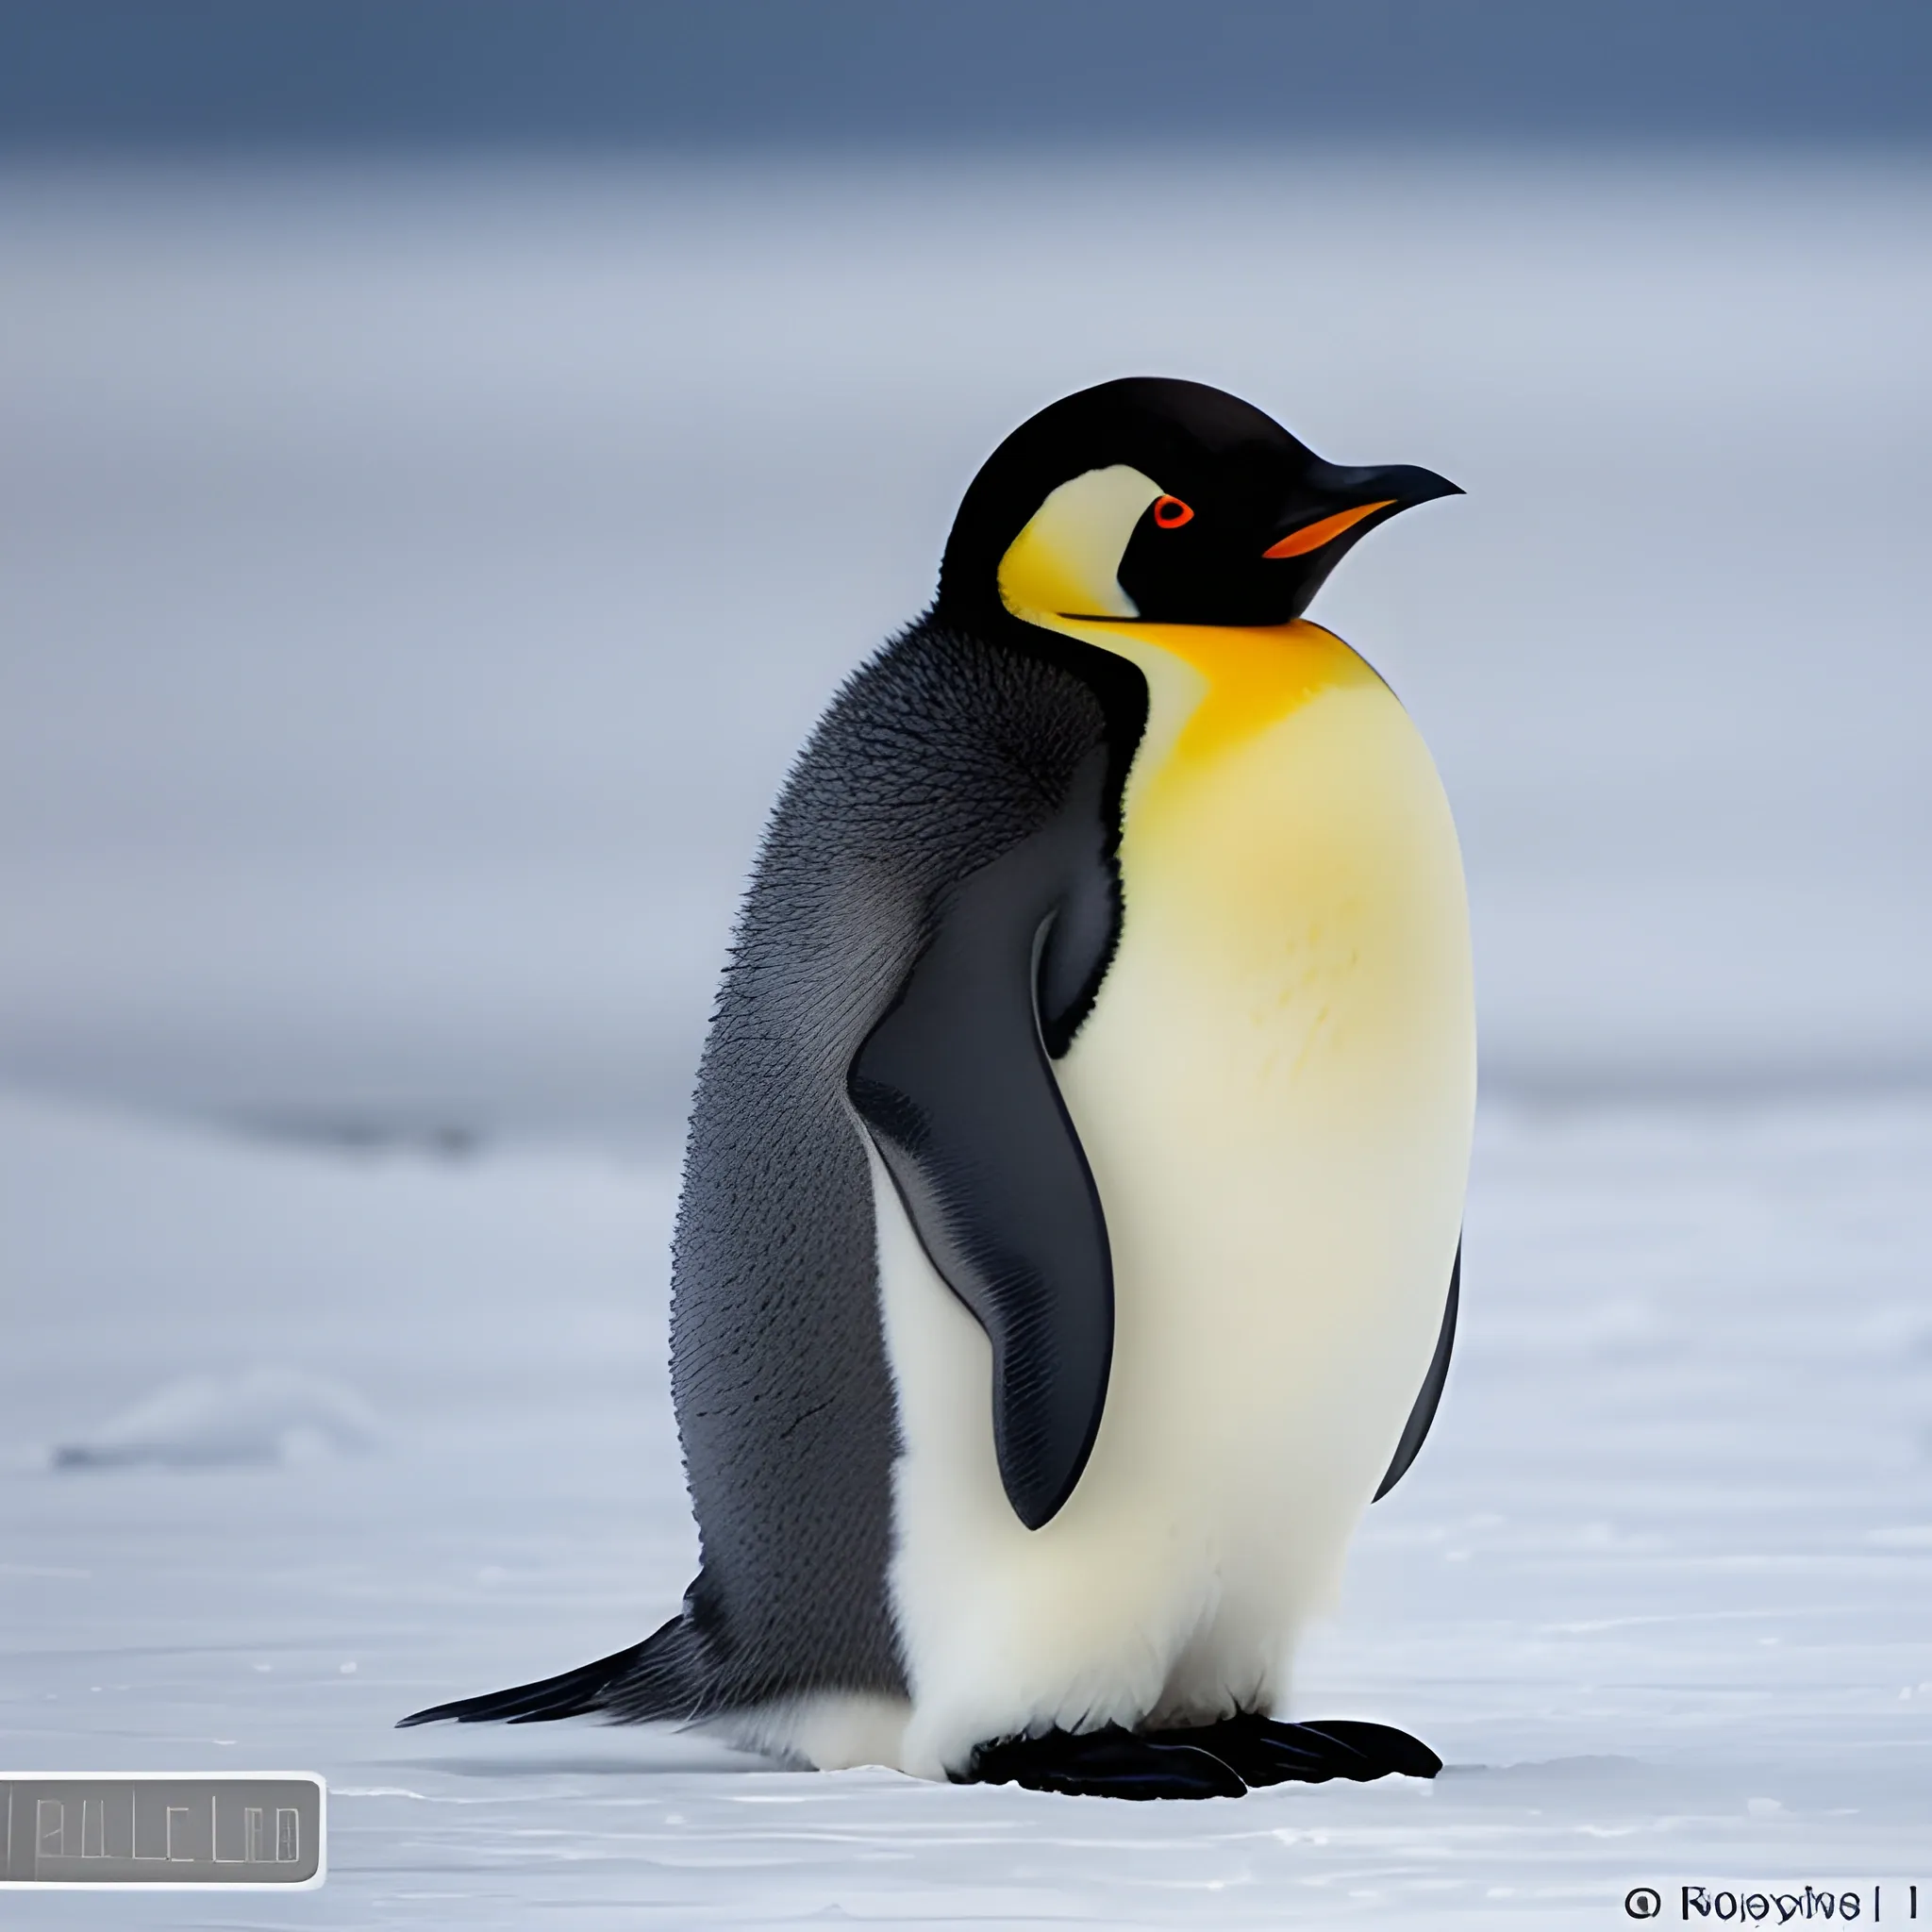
259,1415
1656,1589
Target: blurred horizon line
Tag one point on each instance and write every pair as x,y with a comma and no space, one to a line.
657,1131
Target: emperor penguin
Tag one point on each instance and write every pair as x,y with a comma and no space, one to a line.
1070,1237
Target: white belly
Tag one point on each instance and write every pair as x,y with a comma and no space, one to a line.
1275,1092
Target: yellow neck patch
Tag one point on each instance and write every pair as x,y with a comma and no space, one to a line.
1220,685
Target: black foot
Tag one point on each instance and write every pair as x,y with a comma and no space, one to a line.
1219,1760
1111,1763
1267,1753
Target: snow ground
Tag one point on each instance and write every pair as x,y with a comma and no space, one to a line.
1657,1589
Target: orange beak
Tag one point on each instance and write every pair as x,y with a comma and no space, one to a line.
1312,535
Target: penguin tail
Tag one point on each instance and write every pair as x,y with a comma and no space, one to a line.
662,1677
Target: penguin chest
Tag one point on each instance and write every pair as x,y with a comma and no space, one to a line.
1275,1089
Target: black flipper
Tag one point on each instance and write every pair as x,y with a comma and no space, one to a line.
956,1086
1423,1413
660,1677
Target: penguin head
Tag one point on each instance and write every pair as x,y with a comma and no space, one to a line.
1167,501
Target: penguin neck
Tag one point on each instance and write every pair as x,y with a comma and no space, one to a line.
1212,688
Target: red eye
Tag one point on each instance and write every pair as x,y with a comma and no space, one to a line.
1169,512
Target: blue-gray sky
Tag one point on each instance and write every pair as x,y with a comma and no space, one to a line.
214,75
